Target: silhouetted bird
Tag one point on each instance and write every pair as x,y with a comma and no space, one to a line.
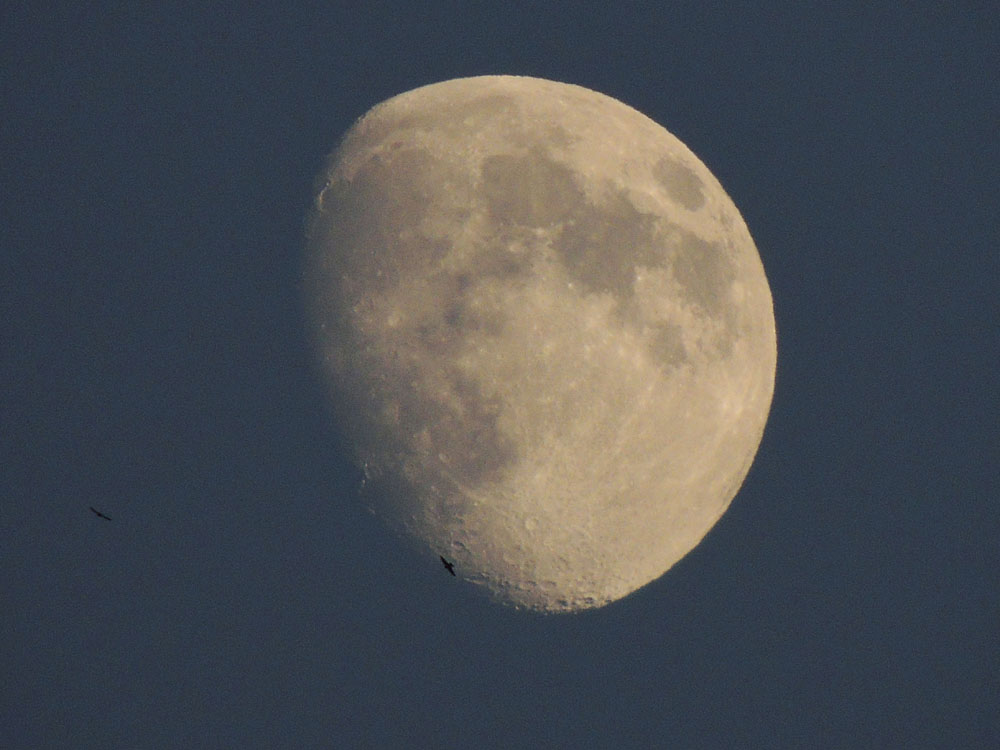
449,565
98,513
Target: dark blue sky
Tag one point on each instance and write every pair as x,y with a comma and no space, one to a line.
156,169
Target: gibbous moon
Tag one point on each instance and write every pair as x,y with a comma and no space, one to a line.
547,334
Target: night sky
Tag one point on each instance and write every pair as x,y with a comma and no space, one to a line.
156,168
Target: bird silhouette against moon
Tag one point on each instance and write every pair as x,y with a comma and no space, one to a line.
546,330
449,566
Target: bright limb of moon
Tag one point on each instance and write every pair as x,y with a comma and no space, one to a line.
547,333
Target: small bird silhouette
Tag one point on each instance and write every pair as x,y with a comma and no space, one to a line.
98,513
449,565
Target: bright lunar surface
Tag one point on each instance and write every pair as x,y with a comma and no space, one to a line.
547,333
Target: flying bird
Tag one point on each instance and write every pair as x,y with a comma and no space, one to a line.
449,565
98,513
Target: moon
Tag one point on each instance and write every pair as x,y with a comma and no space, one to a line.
547,334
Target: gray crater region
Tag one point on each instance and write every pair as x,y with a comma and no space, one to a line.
547,333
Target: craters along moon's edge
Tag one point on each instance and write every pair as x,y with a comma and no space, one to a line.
546,331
